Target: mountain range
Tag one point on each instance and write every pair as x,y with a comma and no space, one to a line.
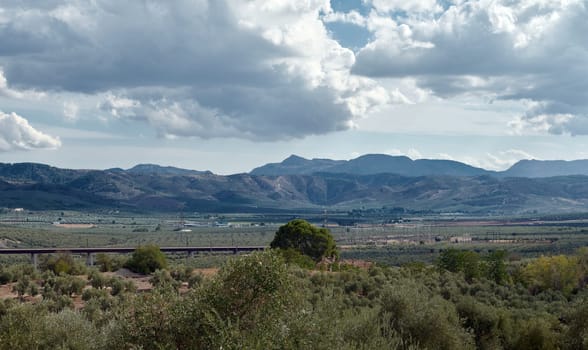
401,165
370,181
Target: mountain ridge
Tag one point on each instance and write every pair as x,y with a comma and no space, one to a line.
402,165
41,187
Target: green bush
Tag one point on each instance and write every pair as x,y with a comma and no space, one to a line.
62,263
537,334
97,280
146,259
181,273
422,319
108,262
163,279
5,276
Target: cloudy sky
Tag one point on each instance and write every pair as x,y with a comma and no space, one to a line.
227,85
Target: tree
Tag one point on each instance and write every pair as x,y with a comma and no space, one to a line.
146,259
305,238
561,273
460,261
496,267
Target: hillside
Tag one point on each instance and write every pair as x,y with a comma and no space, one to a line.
370,164
381,163
37,186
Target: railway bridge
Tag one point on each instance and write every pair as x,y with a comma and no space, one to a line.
89,251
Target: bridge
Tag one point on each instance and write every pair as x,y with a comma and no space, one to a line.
89,251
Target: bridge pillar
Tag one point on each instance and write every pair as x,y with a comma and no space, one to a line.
34,260
90,259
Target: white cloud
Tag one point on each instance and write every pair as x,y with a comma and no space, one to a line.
411,6
411,153
17,133
522,50
270,70
414,153
445,156
352,17
70,111
118,106
394,152
498,161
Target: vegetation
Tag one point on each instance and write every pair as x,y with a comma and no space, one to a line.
258,302
299,235
147,259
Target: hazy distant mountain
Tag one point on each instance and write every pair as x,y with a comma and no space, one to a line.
547,168
295,165
163,170
370,164
401,165
36,186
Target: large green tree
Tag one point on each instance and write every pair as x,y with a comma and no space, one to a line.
300,235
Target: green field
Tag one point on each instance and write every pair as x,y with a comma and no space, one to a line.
409,240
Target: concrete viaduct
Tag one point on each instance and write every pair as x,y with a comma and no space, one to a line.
89,252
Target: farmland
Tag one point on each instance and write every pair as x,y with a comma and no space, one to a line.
391,241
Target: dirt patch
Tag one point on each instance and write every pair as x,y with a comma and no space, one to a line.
74,225
6,291
362,264
208,272
140,281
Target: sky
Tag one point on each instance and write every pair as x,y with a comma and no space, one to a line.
229,85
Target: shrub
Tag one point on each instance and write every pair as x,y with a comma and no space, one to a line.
62,263
97,280
536,334
146,259
107,262
5,277
162,279
423,320
182,273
